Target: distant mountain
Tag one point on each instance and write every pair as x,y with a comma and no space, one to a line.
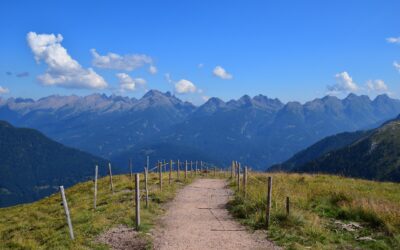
318,149
258,131
33,166
372,154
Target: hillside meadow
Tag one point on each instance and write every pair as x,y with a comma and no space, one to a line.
42,224
326,211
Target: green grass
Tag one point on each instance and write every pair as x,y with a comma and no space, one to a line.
42,224
317,201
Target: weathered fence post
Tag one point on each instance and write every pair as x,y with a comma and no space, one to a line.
186,168
206,170
66,210
146,171
96,172
130,167
232,169
111,180
137,201
201,167
245,181
196,169
170,172
287,206
178,169
269,196
191,169
238,177
160,174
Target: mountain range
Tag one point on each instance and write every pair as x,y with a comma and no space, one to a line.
372,154
33,166
258,131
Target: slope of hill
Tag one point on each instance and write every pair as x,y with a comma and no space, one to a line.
258,131
33,166
318,149
373,156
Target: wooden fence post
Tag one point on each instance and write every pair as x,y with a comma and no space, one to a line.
214,171
201,167
206,170
170,172
96,172
160,174
232,169
186,168
146,172
137,201
269,194
191,169
287,206
130,167
245,181
66,210
196,169
111,180
238,177
178,169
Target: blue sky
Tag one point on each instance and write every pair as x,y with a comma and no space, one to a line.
292,50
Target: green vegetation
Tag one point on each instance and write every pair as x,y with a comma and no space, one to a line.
327,212
42,225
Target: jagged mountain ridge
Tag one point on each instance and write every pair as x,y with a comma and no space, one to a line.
258,131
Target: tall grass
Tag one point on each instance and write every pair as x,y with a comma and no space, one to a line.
319,203
42,224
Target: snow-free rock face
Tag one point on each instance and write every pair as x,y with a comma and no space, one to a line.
258,131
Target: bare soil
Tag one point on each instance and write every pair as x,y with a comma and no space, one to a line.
198,219
122,237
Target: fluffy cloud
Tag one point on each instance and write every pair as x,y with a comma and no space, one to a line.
153,69
377,85
344,84
62,69
4,90
115,61
396,65
184,86
221,73
127,83
393,40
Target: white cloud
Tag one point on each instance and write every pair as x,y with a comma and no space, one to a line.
127,83
200,65
168,78
153,69
114,61
396,65
4,90
62,69
221,73
184,86
344,84
393,40
377,85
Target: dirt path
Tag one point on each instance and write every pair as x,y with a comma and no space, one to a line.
197,219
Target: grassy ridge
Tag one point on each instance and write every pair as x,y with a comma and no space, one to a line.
42,225
321,205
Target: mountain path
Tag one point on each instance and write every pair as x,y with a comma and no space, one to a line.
198,219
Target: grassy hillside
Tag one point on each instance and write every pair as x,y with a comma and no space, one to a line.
32,166
323,209
42,224
375,156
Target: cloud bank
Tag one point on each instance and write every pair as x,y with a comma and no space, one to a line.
62,69
126,62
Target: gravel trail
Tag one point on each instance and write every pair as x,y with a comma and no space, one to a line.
197,219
